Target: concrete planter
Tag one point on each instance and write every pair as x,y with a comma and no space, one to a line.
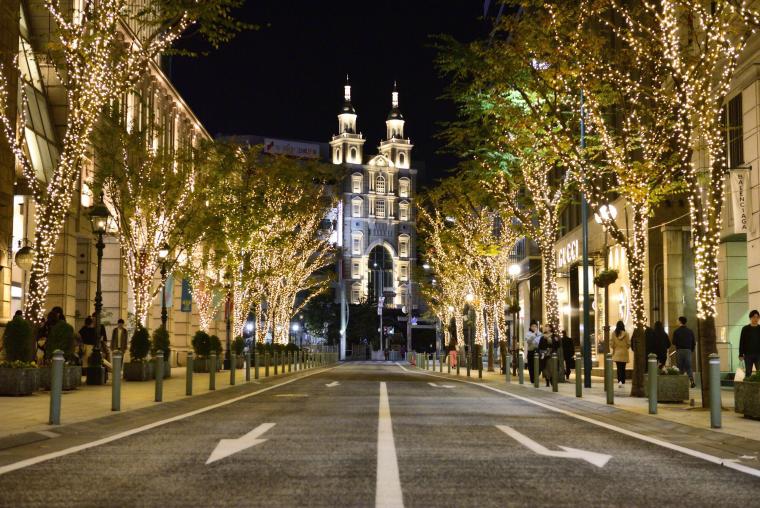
670,388
24,381
72,377
747,399
138,371
202,364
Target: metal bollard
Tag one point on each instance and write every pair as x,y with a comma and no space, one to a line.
266,364
608,378
275,361
116,359
561,364
459,362
448,364
159,370
189,374
440,365
303,360
715,399
520,368
508,365
578,375
212,371
479,360
256,360
652,382
536,370
56,387
248,366
290,361
467,359
233,365
555,372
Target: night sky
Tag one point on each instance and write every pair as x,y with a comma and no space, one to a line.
286,79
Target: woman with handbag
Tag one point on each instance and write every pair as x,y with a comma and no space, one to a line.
620,343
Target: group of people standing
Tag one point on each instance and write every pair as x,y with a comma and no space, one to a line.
544,344
86,338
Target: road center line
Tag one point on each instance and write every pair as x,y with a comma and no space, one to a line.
642,437
74,449
388,488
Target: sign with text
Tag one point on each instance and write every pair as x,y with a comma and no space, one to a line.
291,148
739,195
567,254
186,303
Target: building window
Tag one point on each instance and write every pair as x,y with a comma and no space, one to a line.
403,187
380,208
356,243
404,269
403,246
403,211
353,155
355,270
380,184
401,159
355,293
356,207
735,132
337,155
356,183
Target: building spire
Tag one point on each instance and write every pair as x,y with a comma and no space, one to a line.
394,95
347,90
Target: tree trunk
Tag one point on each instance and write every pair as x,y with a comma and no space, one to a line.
637,254
549,265
707,346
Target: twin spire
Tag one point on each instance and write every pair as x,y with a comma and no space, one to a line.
395,113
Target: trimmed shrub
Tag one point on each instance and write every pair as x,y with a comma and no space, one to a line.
238,345
18,343
139,345
61,337
201,344
216,345
160,342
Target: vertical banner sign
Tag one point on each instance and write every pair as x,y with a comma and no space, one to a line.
739,194
169,291
186,305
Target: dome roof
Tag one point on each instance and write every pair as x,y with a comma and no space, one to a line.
395,114
347,108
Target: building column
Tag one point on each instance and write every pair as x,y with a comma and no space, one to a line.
732,301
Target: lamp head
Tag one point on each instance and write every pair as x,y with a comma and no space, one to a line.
99,216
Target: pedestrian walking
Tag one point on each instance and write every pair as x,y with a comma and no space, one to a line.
660,343
119,337
55,315
620,343
89,338
548,344
532,338
568,352
749,343
685,343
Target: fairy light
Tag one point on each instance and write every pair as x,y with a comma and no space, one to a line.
99,68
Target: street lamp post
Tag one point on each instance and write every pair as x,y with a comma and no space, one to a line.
99,216
606,212
163,253
469,298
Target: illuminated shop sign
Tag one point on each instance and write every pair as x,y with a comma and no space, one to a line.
567,254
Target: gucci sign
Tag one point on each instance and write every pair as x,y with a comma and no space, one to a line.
567,254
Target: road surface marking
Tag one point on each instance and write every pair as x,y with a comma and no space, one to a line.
330,385
436,385
292,395
388,486
227,447
652,440
131,432
597,459
47,433
402,367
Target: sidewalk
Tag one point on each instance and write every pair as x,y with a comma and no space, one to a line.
31,413
694,416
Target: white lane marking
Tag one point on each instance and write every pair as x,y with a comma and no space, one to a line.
292,395
436,385
402,367
597,459
74,449
331,385
227,447
652,440
388,487
48,433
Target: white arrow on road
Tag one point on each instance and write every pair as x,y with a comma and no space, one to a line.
227,447
330,385
436,385
597,459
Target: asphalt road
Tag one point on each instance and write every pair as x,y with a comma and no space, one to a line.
317,441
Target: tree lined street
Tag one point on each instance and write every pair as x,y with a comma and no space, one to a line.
319,447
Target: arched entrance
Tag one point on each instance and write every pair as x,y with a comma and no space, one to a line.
380,273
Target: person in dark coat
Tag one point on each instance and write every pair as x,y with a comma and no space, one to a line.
749,343
568,350
684,341
660,343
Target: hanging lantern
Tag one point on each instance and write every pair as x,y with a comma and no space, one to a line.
24,258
